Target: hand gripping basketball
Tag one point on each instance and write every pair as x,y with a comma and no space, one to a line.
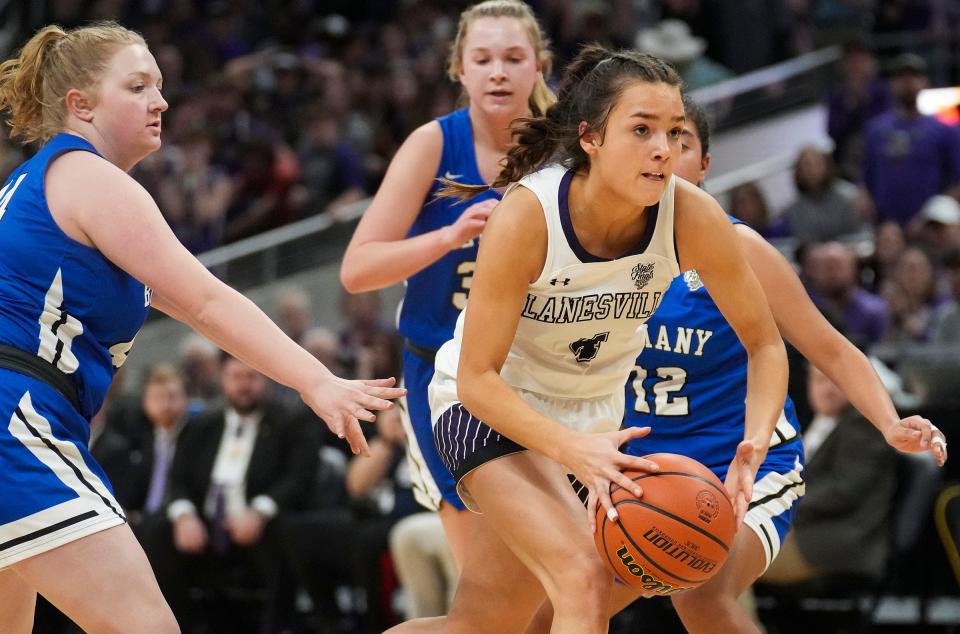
677,536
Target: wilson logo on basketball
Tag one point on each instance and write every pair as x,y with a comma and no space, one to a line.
708,506
649,582
673,549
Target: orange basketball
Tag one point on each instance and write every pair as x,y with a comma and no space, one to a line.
673,538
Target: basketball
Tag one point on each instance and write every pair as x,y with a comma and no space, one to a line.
676,536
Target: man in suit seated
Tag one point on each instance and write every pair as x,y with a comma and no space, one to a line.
840,525
153,433
237,470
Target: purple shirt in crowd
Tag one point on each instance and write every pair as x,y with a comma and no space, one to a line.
845,120
906,161
864,320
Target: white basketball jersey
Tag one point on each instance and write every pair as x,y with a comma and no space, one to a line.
579,331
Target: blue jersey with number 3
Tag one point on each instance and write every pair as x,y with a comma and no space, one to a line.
436,295
690,381
60,299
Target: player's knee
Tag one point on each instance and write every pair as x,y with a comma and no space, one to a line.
707,599
582,576
154,619
162,623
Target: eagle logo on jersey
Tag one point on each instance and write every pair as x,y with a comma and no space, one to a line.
692,278
586,349
642,274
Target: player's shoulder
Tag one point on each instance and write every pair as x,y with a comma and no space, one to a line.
429,134
87,174
695,207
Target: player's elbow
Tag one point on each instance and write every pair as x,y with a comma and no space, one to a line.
764,338
470,387
351,276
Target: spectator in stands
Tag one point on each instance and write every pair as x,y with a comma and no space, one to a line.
831,273
200,363
888,243
826,206
908,157
671,40
862,96
261,190
939,225
841,526
333,174
194,193
293,313
164,404
747,203
946,325
362,324
911,293
355,546
248,464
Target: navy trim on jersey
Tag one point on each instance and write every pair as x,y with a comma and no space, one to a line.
76,519
73,467
582,254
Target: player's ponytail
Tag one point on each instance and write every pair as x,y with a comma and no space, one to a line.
35,83
21,83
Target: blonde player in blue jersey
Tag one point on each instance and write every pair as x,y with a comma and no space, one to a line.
84,253
573,261
689,387
409,234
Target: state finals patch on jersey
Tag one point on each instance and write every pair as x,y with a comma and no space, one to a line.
642,274
692,278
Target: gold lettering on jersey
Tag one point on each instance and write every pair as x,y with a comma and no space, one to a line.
593,307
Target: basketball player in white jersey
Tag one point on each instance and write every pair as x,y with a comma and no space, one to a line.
573,261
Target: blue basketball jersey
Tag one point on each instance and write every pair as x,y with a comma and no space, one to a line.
436,295
690,381
59,299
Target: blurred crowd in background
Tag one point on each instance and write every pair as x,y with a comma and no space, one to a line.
282,110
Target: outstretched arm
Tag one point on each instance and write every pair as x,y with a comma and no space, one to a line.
99,205
707,243
380,254
806,328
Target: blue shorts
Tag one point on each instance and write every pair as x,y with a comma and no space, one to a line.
777,489
433,481
53,491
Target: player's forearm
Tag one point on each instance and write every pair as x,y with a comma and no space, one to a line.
850,370
490,399
227,318
375,265
766,391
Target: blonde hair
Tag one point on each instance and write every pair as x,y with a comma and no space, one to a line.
164,373
34,84
542,97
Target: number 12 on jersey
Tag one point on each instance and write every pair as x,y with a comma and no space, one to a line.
665,401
